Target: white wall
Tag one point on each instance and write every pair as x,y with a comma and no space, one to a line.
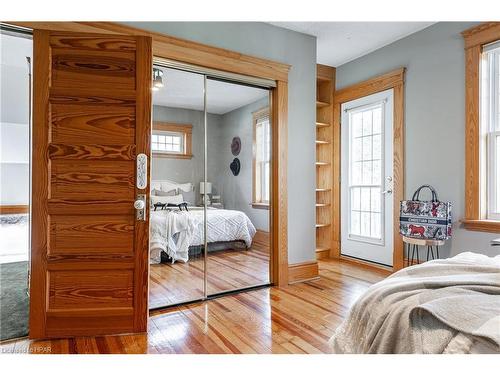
434,117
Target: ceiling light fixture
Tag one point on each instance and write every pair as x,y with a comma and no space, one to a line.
157,79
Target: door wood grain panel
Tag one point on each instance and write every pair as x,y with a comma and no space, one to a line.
92,179
87,289
91,234
91,152
74,123
92,116
104,43
88,68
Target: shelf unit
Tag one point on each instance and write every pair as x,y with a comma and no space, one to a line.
325,86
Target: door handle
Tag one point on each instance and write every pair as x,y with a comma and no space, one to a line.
140,207
388,191
142,171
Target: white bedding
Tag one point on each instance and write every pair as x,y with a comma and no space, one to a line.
174,231
442,306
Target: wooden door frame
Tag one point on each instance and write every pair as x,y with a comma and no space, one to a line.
391,80
188,52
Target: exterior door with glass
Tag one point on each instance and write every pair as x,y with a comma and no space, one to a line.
367,178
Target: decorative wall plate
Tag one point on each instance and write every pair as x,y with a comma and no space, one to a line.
235,166
236,146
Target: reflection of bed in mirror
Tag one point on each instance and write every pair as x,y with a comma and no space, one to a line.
177,235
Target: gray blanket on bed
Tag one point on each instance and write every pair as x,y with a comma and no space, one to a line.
443,306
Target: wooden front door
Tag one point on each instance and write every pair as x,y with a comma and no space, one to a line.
92,117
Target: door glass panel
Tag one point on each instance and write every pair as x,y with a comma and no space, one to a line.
177,263
238,181
365,164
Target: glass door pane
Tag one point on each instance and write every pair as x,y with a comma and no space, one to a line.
177,263
237,189
366,173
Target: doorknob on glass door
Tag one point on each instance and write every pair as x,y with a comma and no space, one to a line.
388,191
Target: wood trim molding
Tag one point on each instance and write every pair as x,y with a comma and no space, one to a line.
279,184
482,34
260,206
472,141
14,209
385,270
173,48
185,129
482,225
305,271
371,86
474,40
391,80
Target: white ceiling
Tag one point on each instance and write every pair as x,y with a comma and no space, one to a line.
341,42
185,90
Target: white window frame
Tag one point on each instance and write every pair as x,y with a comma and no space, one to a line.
179,135
490,126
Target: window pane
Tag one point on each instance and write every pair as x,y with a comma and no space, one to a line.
365,224
356,149
356,173
266,182
377,147
367,148
356,122
377,172
377,120
365,199
356,199
367,122
367,172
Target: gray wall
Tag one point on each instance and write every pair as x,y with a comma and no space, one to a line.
298,50
434,115
187,170
237,190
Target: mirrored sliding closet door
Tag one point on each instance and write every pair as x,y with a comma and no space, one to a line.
177,265
210,187
237,191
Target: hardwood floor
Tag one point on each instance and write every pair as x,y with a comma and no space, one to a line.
227,270
296,319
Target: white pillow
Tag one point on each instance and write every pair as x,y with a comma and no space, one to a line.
167,186
174,199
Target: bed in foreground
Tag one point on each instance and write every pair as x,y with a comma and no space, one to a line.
443,306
